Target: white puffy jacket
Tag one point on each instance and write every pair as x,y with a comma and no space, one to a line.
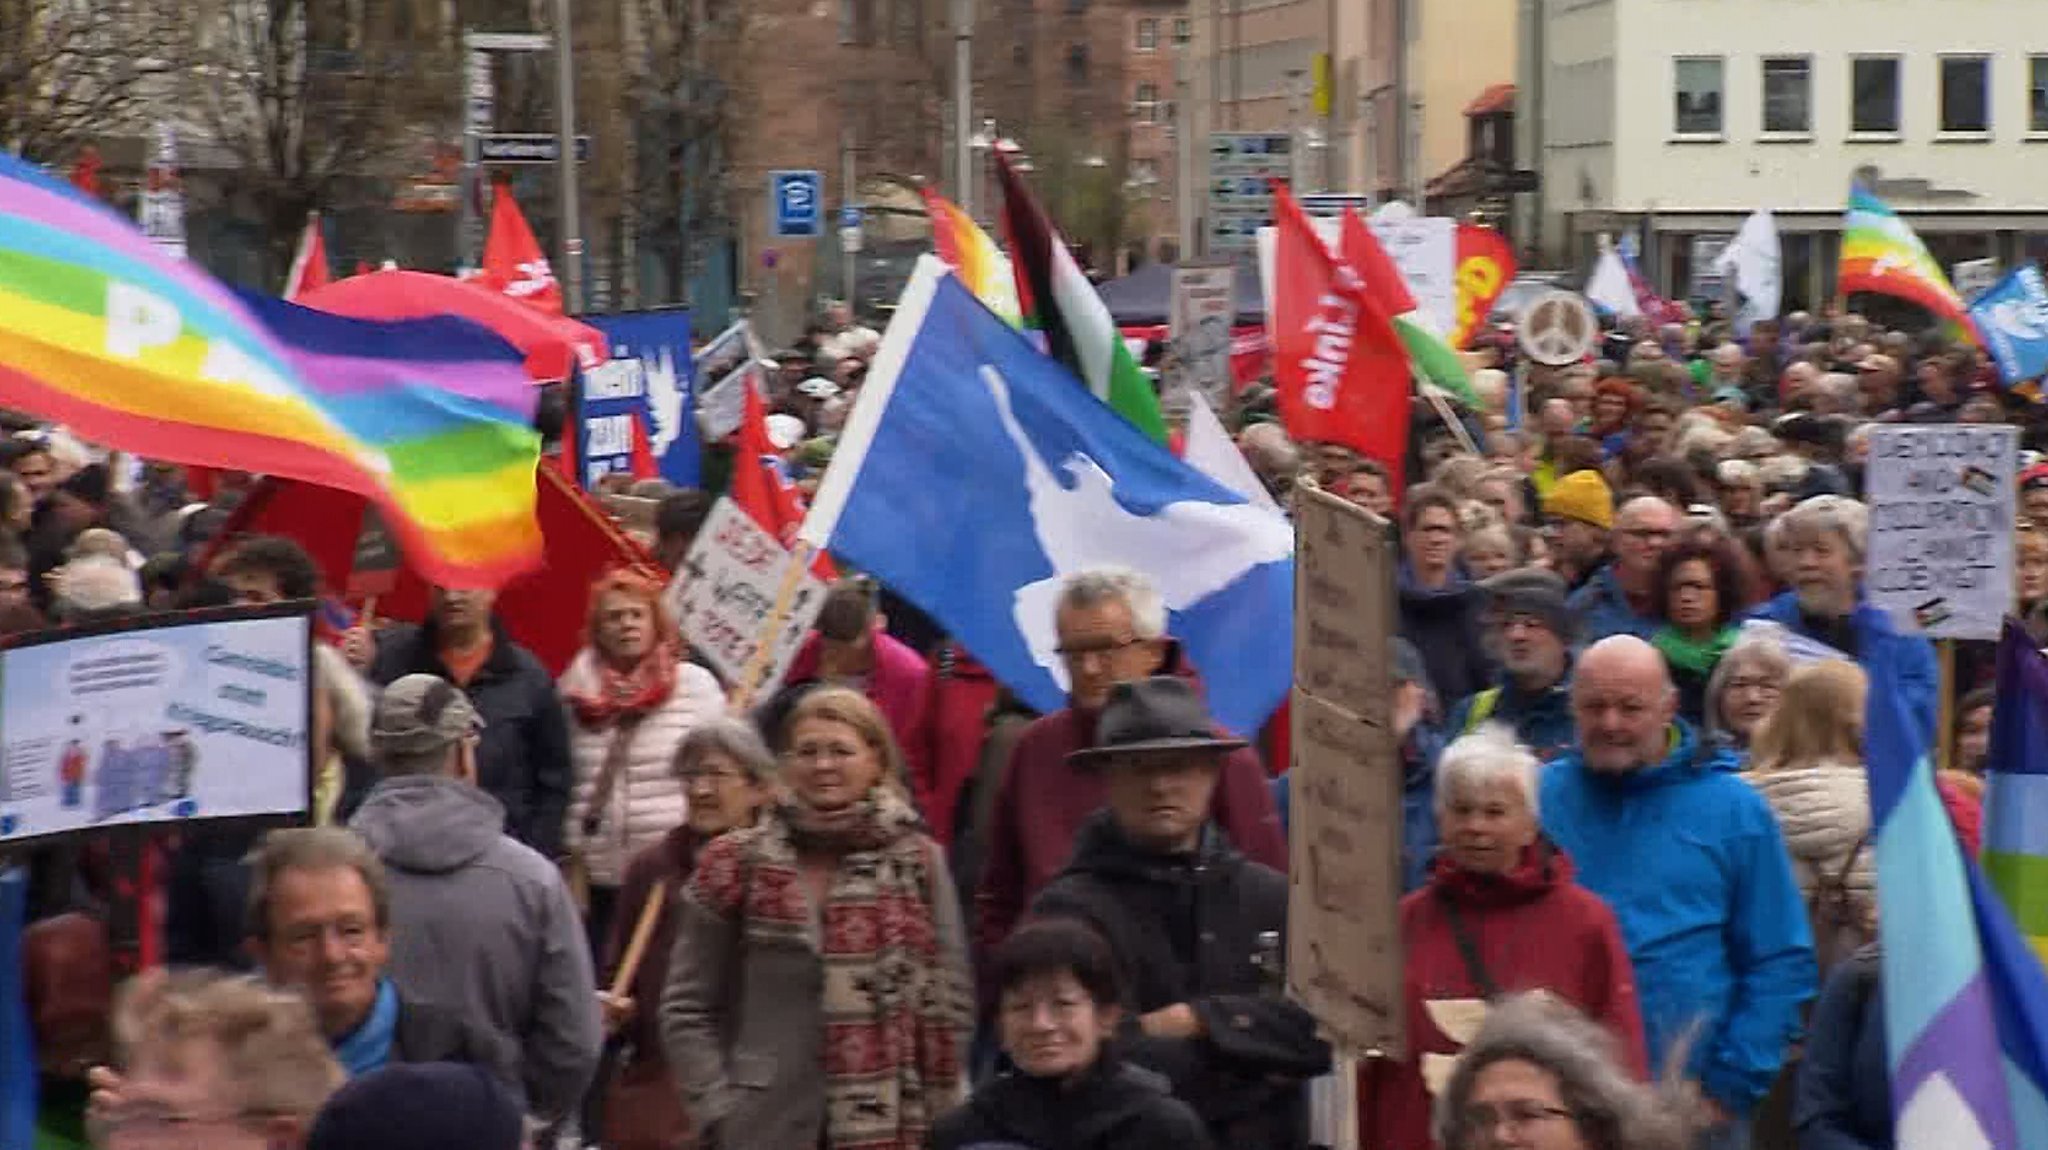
647,801
1823,810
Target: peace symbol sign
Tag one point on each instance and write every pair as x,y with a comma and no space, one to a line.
1557,329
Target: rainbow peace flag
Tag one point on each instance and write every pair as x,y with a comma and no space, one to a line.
977,260
431,419
1882,255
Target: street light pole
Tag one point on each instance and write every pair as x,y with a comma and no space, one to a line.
963,104
565,132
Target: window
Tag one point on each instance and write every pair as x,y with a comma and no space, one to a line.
2037,94
1183,31
1965,93
1077,65
1144,173
1146,106
1698,84
856,21
1874,94
1788,94
1148,35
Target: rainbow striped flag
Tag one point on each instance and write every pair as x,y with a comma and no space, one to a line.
431,419
1965,998
1882,255
2016,786
976,259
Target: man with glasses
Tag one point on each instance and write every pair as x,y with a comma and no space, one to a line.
1112,629
1530,630
1620,598
482,925
319,922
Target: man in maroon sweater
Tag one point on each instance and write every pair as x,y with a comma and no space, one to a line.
1112,629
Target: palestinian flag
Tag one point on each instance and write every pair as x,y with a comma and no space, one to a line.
1435,359
1058,301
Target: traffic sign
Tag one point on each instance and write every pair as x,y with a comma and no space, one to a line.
526,148
1557,329
1242,168
850,216
796,202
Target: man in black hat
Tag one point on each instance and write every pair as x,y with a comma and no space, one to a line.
1531,630
1195,924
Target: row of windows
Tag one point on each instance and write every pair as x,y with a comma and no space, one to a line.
1148,33
1964,95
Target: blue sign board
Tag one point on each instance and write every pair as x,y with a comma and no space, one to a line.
647,379
850,216
796,200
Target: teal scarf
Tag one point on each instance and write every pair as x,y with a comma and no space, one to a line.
368,1046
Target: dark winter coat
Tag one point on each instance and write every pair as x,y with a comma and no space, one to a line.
1444,624
1542,720
523,760
430,1034
1186,929
1116,1106
1843,1100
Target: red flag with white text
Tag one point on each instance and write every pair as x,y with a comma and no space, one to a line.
514,263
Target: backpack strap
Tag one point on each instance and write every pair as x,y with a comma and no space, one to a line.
1468,947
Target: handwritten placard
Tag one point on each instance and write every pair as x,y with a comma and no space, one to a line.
1344,867
1941,527
725,591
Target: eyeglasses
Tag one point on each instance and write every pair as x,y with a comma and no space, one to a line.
1483,1117
1077,654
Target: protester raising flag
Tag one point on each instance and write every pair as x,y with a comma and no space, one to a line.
1056,299
1340,371
1881,254
309,263
433,418
1753,262
975,258
1011,479
514,263
1966,1004
1382,280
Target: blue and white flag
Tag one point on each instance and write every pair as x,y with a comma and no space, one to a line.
2013,317
649,375
975,475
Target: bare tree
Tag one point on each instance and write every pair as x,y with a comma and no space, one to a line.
73,71
685,100
316,101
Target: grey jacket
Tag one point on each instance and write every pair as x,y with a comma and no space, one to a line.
483,926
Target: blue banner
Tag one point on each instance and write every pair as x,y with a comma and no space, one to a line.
2013,317
648,376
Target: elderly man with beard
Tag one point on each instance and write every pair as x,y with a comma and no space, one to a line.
1690,858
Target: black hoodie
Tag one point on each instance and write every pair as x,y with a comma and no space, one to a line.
1185,929
1115,1106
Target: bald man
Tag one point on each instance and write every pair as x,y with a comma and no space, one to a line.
1621,598
1689,857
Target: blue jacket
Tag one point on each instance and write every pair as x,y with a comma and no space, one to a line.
1602,609
1690,858
1843,1099
1878,643
1418,802
1541,720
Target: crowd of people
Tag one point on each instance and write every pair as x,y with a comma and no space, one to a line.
891,908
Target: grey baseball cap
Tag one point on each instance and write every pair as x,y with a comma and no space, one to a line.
419,715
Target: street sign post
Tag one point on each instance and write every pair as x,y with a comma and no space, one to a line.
1242,166
796,202
526,148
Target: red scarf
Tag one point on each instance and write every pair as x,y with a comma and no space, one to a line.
627,695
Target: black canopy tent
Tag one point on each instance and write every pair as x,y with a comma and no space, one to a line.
1145,297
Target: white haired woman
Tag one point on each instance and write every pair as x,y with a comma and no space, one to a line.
1744,689
1501,914
1823,543
1549,1077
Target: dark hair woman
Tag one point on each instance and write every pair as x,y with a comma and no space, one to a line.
1698,591
1059,991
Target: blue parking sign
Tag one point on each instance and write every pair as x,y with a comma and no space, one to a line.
797,201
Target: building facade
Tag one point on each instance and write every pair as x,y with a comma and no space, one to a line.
1675,119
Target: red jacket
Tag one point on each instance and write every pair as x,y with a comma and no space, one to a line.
956,719
897,687
1533,928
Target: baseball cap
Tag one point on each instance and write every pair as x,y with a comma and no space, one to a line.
817,387
419,715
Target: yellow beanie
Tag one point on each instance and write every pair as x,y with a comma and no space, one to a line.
1583,496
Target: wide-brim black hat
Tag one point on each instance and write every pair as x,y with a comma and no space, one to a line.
1159,714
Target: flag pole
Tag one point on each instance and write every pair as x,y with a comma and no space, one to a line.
1945,724
800,559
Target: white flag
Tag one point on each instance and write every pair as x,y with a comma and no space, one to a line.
1211,452
1609,286
1753,262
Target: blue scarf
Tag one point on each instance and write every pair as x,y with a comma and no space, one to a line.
368,1046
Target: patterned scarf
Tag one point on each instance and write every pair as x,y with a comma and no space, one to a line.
897,1001
626,694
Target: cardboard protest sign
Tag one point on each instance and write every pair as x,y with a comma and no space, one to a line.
1941,526
1204,308
725,593
165,719
1344,869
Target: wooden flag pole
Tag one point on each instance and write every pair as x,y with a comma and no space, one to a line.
636,947
800,559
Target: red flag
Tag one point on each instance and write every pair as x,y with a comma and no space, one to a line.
1340,369
1486,265
643,464
1377,273
85,171
309,264
513,262
758,486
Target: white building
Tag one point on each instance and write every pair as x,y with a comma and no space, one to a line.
1675,118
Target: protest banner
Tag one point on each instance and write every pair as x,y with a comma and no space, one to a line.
164,719
1344,945
1203,312
722,404
1941,527
727,591
648,375
1425,248
2012,316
